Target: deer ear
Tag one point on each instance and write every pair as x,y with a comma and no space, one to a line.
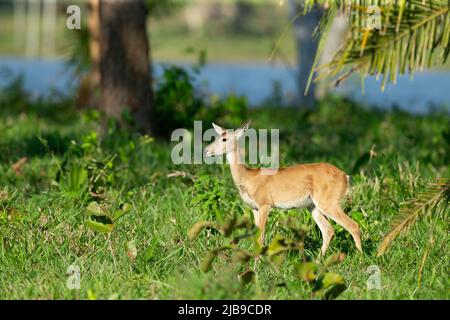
246,125
218,128
240,132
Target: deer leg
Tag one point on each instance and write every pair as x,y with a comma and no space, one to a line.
325,228
256,216
263,212
335,213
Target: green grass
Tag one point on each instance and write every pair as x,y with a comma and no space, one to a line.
43,211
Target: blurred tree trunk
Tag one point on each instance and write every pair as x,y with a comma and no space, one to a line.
304,27
125,76
334,42
94,41
88,95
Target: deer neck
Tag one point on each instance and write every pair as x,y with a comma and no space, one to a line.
238,169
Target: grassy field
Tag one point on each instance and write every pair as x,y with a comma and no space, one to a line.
74,159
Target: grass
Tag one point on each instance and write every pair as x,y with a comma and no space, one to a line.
43,205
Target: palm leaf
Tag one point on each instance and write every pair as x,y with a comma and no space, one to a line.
414,35
434,199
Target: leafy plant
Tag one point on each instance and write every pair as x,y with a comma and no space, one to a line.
102,219
77,54
77,180
230,111
208,194
323,284
434,199
412,35
87,167
178,103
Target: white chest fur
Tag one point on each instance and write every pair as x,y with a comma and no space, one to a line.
297,203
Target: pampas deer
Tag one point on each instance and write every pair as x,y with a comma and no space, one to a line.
318,185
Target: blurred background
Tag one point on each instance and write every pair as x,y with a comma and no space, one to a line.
232,40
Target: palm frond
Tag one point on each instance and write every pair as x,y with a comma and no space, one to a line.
412,35
434,199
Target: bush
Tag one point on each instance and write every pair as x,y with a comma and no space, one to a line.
178,104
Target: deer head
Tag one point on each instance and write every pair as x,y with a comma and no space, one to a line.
226,140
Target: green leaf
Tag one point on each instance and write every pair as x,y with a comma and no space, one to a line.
306,271
334,291
242,256
228,227
207,262
99,227
278,244
334,259
197,228
94,209
411,34
243,222
334,285
126,207
329,286
91,295
331,279
78,179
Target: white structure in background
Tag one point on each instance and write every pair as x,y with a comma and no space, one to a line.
39,19
19,18
49,27
197,13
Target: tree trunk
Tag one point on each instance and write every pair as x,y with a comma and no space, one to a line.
334,42
125,65
94,41
304,27
88,95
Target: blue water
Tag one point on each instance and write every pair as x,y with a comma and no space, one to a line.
255,81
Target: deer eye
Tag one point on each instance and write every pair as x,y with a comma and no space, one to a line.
224,139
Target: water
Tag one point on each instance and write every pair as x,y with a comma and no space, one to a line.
256,82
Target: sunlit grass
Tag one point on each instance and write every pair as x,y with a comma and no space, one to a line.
42,230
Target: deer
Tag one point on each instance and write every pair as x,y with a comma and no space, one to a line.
321,187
